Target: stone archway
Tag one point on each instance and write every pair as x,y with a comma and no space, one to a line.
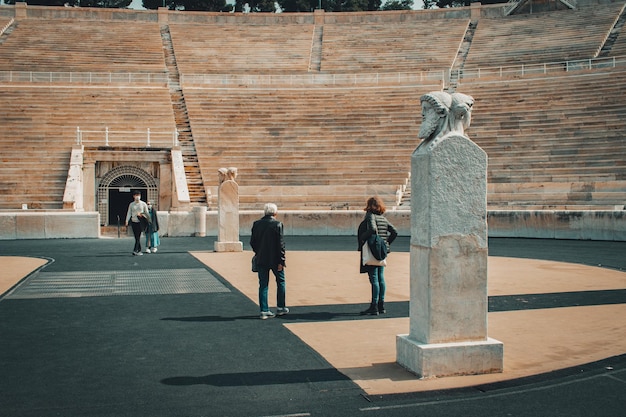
115,191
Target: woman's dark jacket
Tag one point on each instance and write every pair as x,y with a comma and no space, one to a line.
375,223
268,243
154,221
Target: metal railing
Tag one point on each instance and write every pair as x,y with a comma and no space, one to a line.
436,76
111,138
441,76
84,77
510,5
524,70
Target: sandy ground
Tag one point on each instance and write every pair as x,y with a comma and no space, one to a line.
535,341
15,268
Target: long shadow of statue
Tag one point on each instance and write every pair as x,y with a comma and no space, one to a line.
259,378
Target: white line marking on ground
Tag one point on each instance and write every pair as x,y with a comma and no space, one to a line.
482,397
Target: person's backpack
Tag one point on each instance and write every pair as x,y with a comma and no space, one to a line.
377,246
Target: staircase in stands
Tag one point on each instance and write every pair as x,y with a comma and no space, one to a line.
195,182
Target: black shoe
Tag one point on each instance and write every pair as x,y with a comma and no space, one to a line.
372,311
381,308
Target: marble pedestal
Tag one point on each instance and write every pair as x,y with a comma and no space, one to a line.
448,359
228,218
228,246
448,271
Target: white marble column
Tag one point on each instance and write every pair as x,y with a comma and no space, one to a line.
448,306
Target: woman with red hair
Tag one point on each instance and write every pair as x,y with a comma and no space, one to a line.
376,223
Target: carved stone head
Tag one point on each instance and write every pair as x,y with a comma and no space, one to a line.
444,113
231,173
221,175
461,112
435,110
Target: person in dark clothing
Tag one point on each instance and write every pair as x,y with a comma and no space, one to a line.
375,223
152,232
268,244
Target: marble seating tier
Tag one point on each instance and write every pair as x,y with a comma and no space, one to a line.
63,45
39,125
505,41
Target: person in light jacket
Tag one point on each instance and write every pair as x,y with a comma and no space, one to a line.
373,223
137,212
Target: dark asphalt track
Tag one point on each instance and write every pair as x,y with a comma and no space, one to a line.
208,354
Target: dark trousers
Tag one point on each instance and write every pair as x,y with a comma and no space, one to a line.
137,232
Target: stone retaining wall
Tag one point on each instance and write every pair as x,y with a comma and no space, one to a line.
549,224
29,224
544,224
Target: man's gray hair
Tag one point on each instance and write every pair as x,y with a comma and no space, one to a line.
270,209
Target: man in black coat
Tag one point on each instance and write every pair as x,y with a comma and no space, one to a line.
268,245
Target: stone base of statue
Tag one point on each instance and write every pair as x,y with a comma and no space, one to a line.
449,359
448,271
228,247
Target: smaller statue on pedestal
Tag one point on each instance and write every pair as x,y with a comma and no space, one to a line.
228,212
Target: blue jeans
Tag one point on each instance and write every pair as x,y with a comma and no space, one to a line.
264,279
377,279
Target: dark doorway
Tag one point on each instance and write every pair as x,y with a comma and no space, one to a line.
119,199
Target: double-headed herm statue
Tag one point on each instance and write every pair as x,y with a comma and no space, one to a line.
448,307
228,212
444,114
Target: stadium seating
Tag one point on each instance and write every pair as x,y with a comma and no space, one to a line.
337,143
553,140
542,37
38,129
618,48
391,47
60,45
228,48
559,134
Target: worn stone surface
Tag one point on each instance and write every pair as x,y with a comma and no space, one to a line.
200,215
179,177
448,271
449,298
228,246
449,241
448,359
228,212
74,185
448,191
